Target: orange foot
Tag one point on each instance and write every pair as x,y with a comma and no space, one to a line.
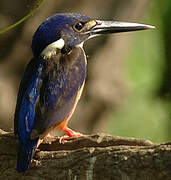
71,133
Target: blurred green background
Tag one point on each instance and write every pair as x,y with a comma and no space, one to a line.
128,88
146,109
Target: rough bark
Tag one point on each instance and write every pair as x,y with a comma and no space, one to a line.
90,157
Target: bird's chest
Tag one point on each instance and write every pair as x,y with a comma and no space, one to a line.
62,81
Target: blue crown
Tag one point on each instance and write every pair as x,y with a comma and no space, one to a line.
50,30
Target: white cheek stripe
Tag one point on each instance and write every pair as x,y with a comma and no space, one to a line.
51,48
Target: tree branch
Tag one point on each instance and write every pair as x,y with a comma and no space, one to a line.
97,156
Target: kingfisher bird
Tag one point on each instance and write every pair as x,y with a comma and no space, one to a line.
54,78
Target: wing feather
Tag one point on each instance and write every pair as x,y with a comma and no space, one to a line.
25,112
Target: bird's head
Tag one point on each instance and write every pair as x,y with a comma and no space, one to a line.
66,31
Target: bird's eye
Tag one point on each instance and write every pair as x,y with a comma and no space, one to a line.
79,26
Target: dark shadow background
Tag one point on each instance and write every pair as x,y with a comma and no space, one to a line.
128,88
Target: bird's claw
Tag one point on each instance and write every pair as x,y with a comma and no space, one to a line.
65,137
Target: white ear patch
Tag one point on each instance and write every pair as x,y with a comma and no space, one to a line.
50,50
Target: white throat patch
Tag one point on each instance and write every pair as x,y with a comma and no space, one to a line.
50,50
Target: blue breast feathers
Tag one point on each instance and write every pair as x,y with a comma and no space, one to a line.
59,90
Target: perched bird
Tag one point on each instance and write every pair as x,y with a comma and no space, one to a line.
54,79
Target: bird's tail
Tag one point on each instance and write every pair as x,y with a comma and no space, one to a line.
25,153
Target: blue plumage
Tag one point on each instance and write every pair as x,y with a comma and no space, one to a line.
59,89
25,112
53,80
53,28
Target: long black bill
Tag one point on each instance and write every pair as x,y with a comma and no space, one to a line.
107,27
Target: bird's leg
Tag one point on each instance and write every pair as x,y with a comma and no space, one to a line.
71,133
63,125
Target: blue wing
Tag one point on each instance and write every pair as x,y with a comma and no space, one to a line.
25,112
